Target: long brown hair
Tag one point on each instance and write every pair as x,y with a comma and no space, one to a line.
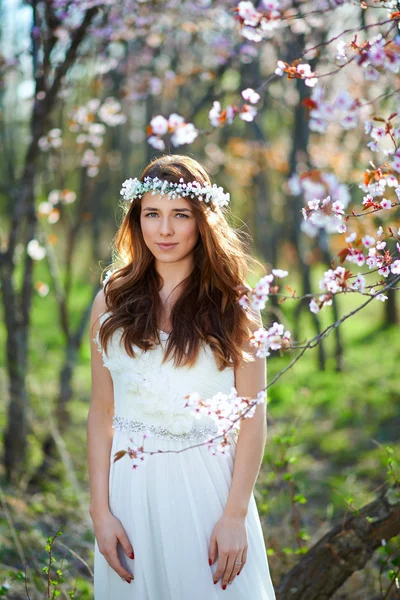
207,308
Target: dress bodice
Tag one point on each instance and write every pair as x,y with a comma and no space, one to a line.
154,393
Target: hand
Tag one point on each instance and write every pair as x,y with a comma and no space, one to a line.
229,538
109,531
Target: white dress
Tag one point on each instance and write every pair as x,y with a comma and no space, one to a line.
170,503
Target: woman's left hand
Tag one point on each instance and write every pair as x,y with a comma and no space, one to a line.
229,540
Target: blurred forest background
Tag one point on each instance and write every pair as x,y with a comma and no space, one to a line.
79,85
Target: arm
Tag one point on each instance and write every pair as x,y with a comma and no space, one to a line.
108,530
99,426
249,380
229,536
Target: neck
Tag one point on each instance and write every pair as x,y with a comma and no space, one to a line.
174,273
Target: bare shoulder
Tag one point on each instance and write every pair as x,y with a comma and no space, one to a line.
98,308
255,322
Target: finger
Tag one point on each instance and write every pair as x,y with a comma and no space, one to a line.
243,559
115,563
228,570
222,560
213,550
125,543
236,567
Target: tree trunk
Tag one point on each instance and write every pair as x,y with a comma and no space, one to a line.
17,303
343,550
391,313
300,152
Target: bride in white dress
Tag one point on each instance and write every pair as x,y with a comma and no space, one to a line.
182,523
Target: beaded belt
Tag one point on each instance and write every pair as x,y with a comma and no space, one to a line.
132,426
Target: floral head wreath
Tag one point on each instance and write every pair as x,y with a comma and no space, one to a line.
133,188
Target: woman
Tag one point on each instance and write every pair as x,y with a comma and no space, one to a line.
175,524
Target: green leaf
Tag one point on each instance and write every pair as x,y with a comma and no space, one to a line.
300,498
302,550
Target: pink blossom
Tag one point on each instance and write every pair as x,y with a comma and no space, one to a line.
215,114
271,5
386,204
368,241
244,301
184,134
314,306
247,113
359,283
395,267
280,69
351,238
376,54
378,133
174,120
230,113
159,125
313,204
337,208
367,127
248,13
395,164
251,34
373,146
250,95
35,250
391,180
344,101
341,55
350,121
384,270
156,142
371,74
280,273
317,125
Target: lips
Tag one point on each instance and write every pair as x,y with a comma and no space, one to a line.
166,246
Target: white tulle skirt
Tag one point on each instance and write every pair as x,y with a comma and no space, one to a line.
168,507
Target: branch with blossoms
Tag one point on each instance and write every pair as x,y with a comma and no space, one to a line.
326,213
228,410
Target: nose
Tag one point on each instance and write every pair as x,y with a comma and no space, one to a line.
166,227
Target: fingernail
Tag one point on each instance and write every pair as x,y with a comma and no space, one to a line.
131,555
224,587
210,562
128,580
215,582
239,573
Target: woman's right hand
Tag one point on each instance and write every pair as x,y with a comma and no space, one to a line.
109,532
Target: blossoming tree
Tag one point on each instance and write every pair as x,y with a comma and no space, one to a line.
327,71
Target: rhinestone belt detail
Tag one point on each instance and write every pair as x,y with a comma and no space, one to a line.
131,425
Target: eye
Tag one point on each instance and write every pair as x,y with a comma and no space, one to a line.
177,214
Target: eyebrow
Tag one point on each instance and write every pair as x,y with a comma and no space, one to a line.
174,209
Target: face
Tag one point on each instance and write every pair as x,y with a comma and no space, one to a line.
169,227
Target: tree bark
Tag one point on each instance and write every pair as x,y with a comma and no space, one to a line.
391,312
343,550
17,303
